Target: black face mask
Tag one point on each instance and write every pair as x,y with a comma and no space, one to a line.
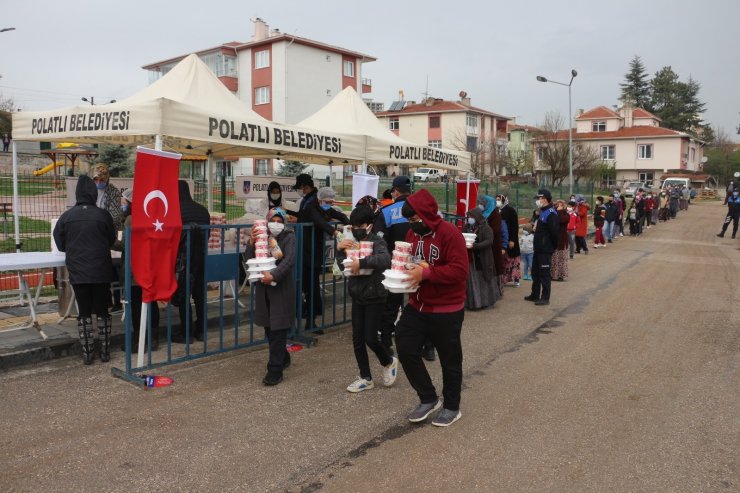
359,233
420,228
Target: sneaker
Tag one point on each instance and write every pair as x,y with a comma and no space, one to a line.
609,240
542,302
390,372
273,378
428,354
359,385
446,417
516,284
621,234
422,411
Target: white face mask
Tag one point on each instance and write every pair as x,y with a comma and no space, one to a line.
570,209
538,203
275,228
275,196
301,193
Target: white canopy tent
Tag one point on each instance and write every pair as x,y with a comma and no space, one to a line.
347,113
188,111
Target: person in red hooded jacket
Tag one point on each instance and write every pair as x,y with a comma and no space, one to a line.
436,310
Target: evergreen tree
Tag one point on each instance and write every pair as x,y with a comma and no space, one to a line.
676,103
291,168
120,159
636,85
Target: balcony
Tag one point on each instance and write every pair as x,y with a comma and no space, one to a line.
367,86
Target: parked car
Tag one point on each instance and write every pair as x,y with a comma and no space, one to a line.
632,187
427,174
680,181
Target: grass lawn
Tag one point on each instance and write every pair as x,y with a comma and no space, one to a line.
26,185
37,244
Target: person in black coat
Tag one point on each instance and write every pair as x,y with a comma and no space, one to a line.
318,212
86,234
546,236
512,269
192,214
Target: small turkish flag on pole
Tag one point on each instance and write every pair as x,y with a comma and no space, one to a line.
155,223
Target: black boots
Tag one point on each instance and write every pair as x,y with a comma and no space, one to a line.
104,324
84,328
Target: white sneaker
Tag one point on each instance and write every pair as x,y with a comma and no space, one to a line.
390,372
359,385
621,234
516,284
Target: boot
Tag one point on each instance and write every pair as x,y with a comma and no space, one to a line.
84,328
104,324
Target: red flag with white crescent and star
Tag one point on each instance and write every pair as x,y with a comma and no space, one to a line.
155,223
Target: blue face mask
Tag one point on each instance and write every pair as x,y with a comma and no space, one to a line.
101,185
124,207
471,221
325,206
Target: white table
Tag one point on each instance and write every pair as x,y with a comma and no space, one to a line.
20,262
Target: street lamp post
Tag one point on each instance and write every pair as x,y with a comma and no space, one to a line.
573,75
92,100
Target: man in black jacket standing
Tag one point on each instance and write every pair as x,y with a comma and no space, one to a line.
546,232
193,214
86,234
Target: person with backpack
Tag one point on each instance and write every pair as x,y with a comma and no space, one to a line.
193,215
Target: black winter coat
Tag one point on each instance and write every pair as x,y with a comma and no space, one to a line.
310,212
547,232
511,218
365,290
86,234
191,213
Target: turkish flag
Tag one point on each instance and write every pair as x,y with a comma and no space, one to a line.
155,223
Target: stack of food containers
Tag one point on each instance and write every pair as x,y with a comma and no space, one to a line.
262,260
396,278
365,250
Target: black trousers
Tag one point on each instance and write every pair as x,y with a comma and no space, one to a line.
581,244
92,298
731,218
365,323
443,329
541,277
198,294
388,318
278,353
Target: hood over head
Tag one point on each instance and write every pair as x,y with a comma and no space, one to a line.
86,192
489,204
425,207
477,214
184,190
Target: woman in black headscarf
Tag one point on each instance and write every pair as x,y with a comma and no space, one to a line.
274,195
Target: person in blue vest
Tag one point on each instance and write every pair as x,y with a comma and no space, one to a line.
733,213
546,235
392,227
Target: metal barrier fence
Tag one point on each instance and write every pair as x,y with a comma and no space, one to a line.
232,326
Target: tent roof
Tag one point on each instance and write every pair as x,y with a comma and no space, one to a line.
194,113
348,113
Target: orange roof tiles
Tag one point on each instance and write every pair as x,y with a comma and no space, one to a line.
623,133
641,113
598,112
440,106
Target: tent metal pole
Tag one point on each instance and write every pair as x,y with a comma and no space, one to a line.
16,205
209,181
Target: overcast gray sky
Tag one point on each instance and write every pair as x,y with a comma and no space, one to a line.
63,50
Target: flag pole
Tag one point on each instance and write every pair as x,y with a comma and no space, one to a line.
467,193
16,205
145,306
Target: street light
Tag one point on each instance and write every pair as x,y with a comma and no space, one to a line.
573,75
6,29
92,100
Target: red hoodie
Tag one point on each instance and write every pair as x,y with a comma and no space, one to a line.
442,289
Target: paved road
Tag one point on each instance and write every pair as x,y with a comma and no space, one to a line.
628,381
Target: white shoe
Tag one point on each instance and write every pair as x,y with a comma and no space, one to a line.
390,372
359,385
621,234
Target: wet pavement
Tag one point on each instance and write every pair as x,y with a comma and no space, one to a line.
627,381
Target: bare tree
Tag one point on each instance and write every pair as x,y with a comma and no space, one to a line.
7,107
487,158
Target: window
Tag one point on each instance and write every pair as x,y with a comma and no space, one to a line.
224,168
472,121
262,59
262,95
645,177
472,144
393,123
540,154
261,167
608,153
349,68
645,151
598,126
434,121
220,64
435,143
693,154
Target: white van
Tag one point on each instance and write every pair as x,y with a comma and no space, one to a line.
669,182
427,174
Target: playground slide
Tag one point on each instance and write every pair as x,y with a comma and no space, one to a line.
46,169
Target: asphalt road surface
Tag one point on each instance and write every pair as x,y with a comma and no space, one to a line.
628,381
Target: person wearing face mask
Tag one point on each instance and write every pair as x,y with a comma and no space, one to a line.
546,236
599,214
582,209
487,204
573,222
274,195
392,227
611,216
481,289
109,199
649,206
316,212
436,310
733,213
559,269
368,299
622,203
512,264
526,243
274,295
663,214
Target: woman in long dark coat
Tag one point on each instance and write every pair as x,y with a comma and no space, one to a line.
481,286
512,269
492,216
559,268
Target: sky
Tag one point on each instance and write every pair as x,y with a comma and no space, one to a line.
61,51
